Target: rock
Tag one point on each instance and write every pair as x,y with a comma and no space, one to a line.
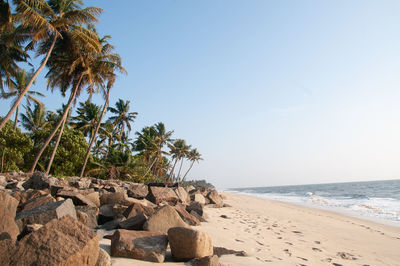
139,245
39,180
190,188
45,213
60,242
103,259
199,198
82,217
91,213
138,191
197,207
219,251
200,218
3,181
94,197
187,217
8,208
111,225
214,198
113,198
160,194
163,219
205,261
7,249
36,202
182,195
134,223
4,236
136,209
77,198
80,183
188,244
106,214
15,185
29,228
129,201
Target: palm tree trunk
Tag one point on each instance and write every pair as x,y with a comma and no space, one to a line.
16,118
188,171
180,168
148,170
93,139
2,159
49,138
56,146
173,168
21,96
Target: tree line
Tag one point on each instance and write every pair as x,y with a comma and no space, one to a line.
78,61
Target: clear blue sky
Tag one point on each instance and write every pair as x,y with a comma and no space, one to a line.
270,92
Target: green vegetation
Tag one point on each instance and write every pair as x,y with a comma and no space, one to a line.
78,61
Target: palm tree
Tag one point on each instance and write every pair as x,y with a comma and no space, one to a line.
17,86
184,151
178,150
103,76
34,119
123,117
87,118
47,22
193,156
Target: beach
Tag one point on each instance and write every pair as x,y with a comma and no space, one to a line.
278,233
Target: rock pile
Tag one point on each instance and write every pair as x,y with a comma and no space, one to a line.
51,221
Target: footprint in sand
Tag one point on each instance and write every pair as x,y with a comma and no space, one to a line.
317,249
238,240
262,244
290,244
346,256
303,258
287,252
296,232
317,242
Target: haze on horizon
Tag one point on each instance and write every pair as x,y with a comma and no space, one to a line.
270,92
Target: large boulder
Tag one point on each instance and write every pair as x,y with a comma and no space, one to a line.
113,198
138,191
91,213
45,213
134,223
77,198
37,202
187,244
8,208
103,259
199,198
197,207
139,245
187,217
7,248
60,242
215,198
3,181
160,194
183,196
205,261
163,219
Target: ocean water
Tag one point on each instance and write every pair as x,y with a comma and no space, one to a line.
375,200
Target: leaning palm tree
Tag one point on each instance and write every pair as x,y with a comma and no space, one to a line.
103,76
68,70
47,21
178,150
122,116
193,156
17,86
34,119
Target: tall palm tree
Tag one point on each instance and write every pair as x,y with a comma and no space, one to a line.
47,21
68,70
34,119
193,156
17,86
103,76
122,116
178,150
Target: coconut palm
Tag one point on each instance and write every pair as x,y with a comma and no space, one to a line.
34,119
178,150
122,116
47,22
18,84
193,156
87,118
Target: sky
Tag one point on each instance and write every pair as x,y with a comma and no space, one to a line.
270,92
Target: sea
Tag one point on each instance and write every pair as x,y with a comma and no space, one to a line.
374,200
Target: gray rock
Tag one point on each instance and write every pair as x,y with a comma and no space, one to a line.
77,198
37,202
197,207
45,213
39,180
139,245
138,191
134,223
136,209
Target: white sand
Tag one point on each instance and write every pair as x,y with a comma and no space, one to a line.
277,233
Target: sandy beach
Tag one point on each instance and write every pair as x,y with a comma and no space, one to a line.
277,233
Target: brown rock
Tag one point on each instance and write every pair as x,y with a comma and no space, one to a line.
136,209
219,251
39,180
45,213
113,198
163,219
205,261
199,198
91,213
197,207
187,243
187,217
139,245
60,242
94,197
37,201
200,218
7,249
214,198
103,259
182,195
138,191
77,198
29,228
8,208
160,194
